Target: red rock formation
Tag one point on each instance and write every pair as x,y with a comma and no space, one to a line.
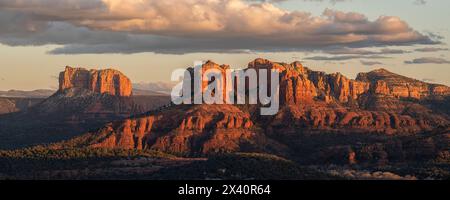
338,87
203,128
86,100
261,63
214,68
403,87
380,88
311,102
329,119
209,71
106,81
295,87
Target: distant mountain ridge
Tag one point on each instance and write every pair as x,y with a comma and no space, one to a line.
158,87
41,93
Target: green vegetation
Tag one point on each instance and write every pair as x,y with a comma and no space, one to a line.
242,166
40,152
45,163
86,163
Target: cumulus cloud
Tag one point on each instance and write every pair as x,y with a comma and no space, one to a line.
173,26
428,60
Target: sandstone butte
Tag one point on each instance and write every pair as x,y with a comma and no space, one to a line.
375,102
86,100
107,81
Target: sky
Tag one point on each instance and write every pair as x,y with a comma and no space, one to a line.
148,39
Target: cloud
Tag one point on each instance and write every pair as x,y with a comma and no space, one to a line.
430,80
431,49
172,26
428,60
370,63
358,51
339,58
278,1
420,2
268,1
434,36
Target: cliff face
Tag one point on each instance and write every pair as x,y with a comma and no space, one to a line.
299,85
106,81
338,87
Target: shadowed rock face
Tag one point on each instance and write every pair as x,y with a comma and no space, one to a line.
10,105
199,128
311,103
106,81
